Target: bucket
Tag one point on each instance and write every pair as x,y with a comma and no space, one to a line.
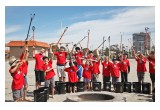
96,86
80,86
61,88
40,96
119,87
127,87
56,83
136,87
107,86
146,88
46,89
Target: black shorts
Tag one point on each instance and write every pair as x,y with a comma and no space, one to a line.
152,76
39,76
72,84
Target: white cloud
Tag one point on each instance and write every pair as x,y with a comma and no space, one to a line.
129,20
11,29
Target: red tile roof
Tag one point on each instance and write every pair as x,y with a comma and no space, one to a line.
30,43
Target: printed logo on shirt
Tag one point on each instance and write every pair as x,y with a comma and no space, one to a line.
114,66
124,63
71,70
48,67
61,55
86,69
18,72
105,67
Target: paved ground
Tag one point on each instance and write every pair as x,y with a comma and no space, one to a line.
131,97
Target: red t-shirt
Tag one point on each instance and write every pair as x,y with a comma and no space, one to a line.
106,68
87,70
51,73
78,57
39,62
115,70
141,65
18,78
151,65
124,65
25,65
96,67
61,57
72,75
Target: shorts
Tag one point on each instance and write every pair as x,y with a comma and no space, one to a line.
60,71
49,82
17,94
152,77
86,80
79,72
25,80
39,76
72,84
115,79
140,76
95,77
106,79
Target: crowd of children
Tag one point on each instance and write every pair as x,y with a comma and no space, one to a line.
80,65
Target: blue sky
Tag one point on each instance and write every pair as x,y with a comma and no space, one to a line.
102,21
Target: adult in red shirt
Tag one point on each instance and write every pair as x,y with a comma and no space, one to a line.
72,75
115,70
39,73
106,70
17,74
61,61
87,71
95,71
141,66
125,68
151,59
78,56
49,73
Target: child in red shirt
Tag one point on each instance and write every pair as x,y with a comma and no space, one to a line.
125,68
151,58
106,70
78,56
61,60
115,70
96,71
39,73
141,66
72,75
49,74
87,70
16,71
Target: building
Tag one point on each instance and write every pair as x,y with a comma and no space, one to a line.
17,47
139,41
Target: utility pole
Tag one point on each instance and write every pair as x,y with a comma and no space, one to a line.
146,39
109,46
103,46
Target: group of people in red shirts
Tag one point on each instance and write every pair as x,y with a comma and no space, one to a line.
80,65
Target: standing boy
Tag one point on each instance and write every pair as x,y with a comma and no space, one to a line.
141,66
106,70
78,56
72,75
49,74
39,73
16,71
125,68
61,61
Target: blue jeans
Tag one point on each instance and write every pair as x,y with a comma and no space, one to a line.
79,72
